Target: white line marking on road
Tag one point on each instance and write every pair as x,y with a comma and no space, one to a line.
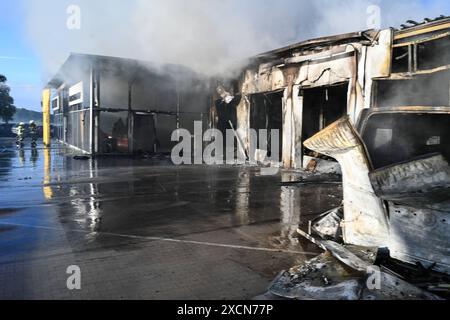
210,244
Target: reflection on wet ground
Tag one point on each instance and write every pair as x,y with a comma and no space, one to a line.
141,228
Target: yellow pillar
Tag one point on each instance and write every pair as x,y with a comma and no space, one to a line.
46,116
48,192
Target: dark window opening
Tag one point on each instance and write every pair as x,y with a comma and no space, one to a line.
144,134
164,127
421,56
75,97
55,104
266,112
113,132
427,90
321,107
400,59
394,138
226,113
227,120
433,54
64,102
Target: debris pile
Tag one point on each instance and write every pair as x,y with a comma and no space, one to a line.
347,273
391,245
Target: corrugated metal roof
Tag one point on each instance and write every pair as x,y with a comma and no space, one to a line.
317,42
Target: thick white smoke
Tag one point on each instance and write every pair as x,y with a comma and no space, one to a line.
210,36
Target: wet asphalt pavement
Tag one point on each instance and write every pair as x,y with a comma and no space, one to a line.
144,229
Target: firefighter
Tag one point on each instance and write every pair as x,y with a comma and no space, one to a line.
33,133
20,135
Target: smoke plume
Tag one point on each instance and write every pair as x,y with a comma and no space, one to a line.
209,36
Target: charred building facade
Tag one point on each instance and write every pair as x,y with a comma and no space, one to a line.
395,157
112,105
303,88
106,105
378,102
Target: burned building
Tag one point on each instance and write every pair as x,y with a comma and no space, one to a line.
394,157
377,102
107,105
303,88
396,177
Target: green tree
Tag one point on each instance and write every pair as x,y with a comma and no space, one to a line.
7,108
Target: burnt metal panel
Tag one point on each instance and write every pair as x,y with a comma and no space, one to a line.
420,235
423,182
330,40
418,192
365,221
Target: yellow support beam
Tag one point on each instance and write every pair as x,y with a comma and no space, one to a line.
420,30
46,117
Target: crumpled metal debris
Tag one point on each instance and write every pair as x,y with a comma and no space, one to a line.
328,225
413,224
404,207
329,278
317,164
366,222
321,278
